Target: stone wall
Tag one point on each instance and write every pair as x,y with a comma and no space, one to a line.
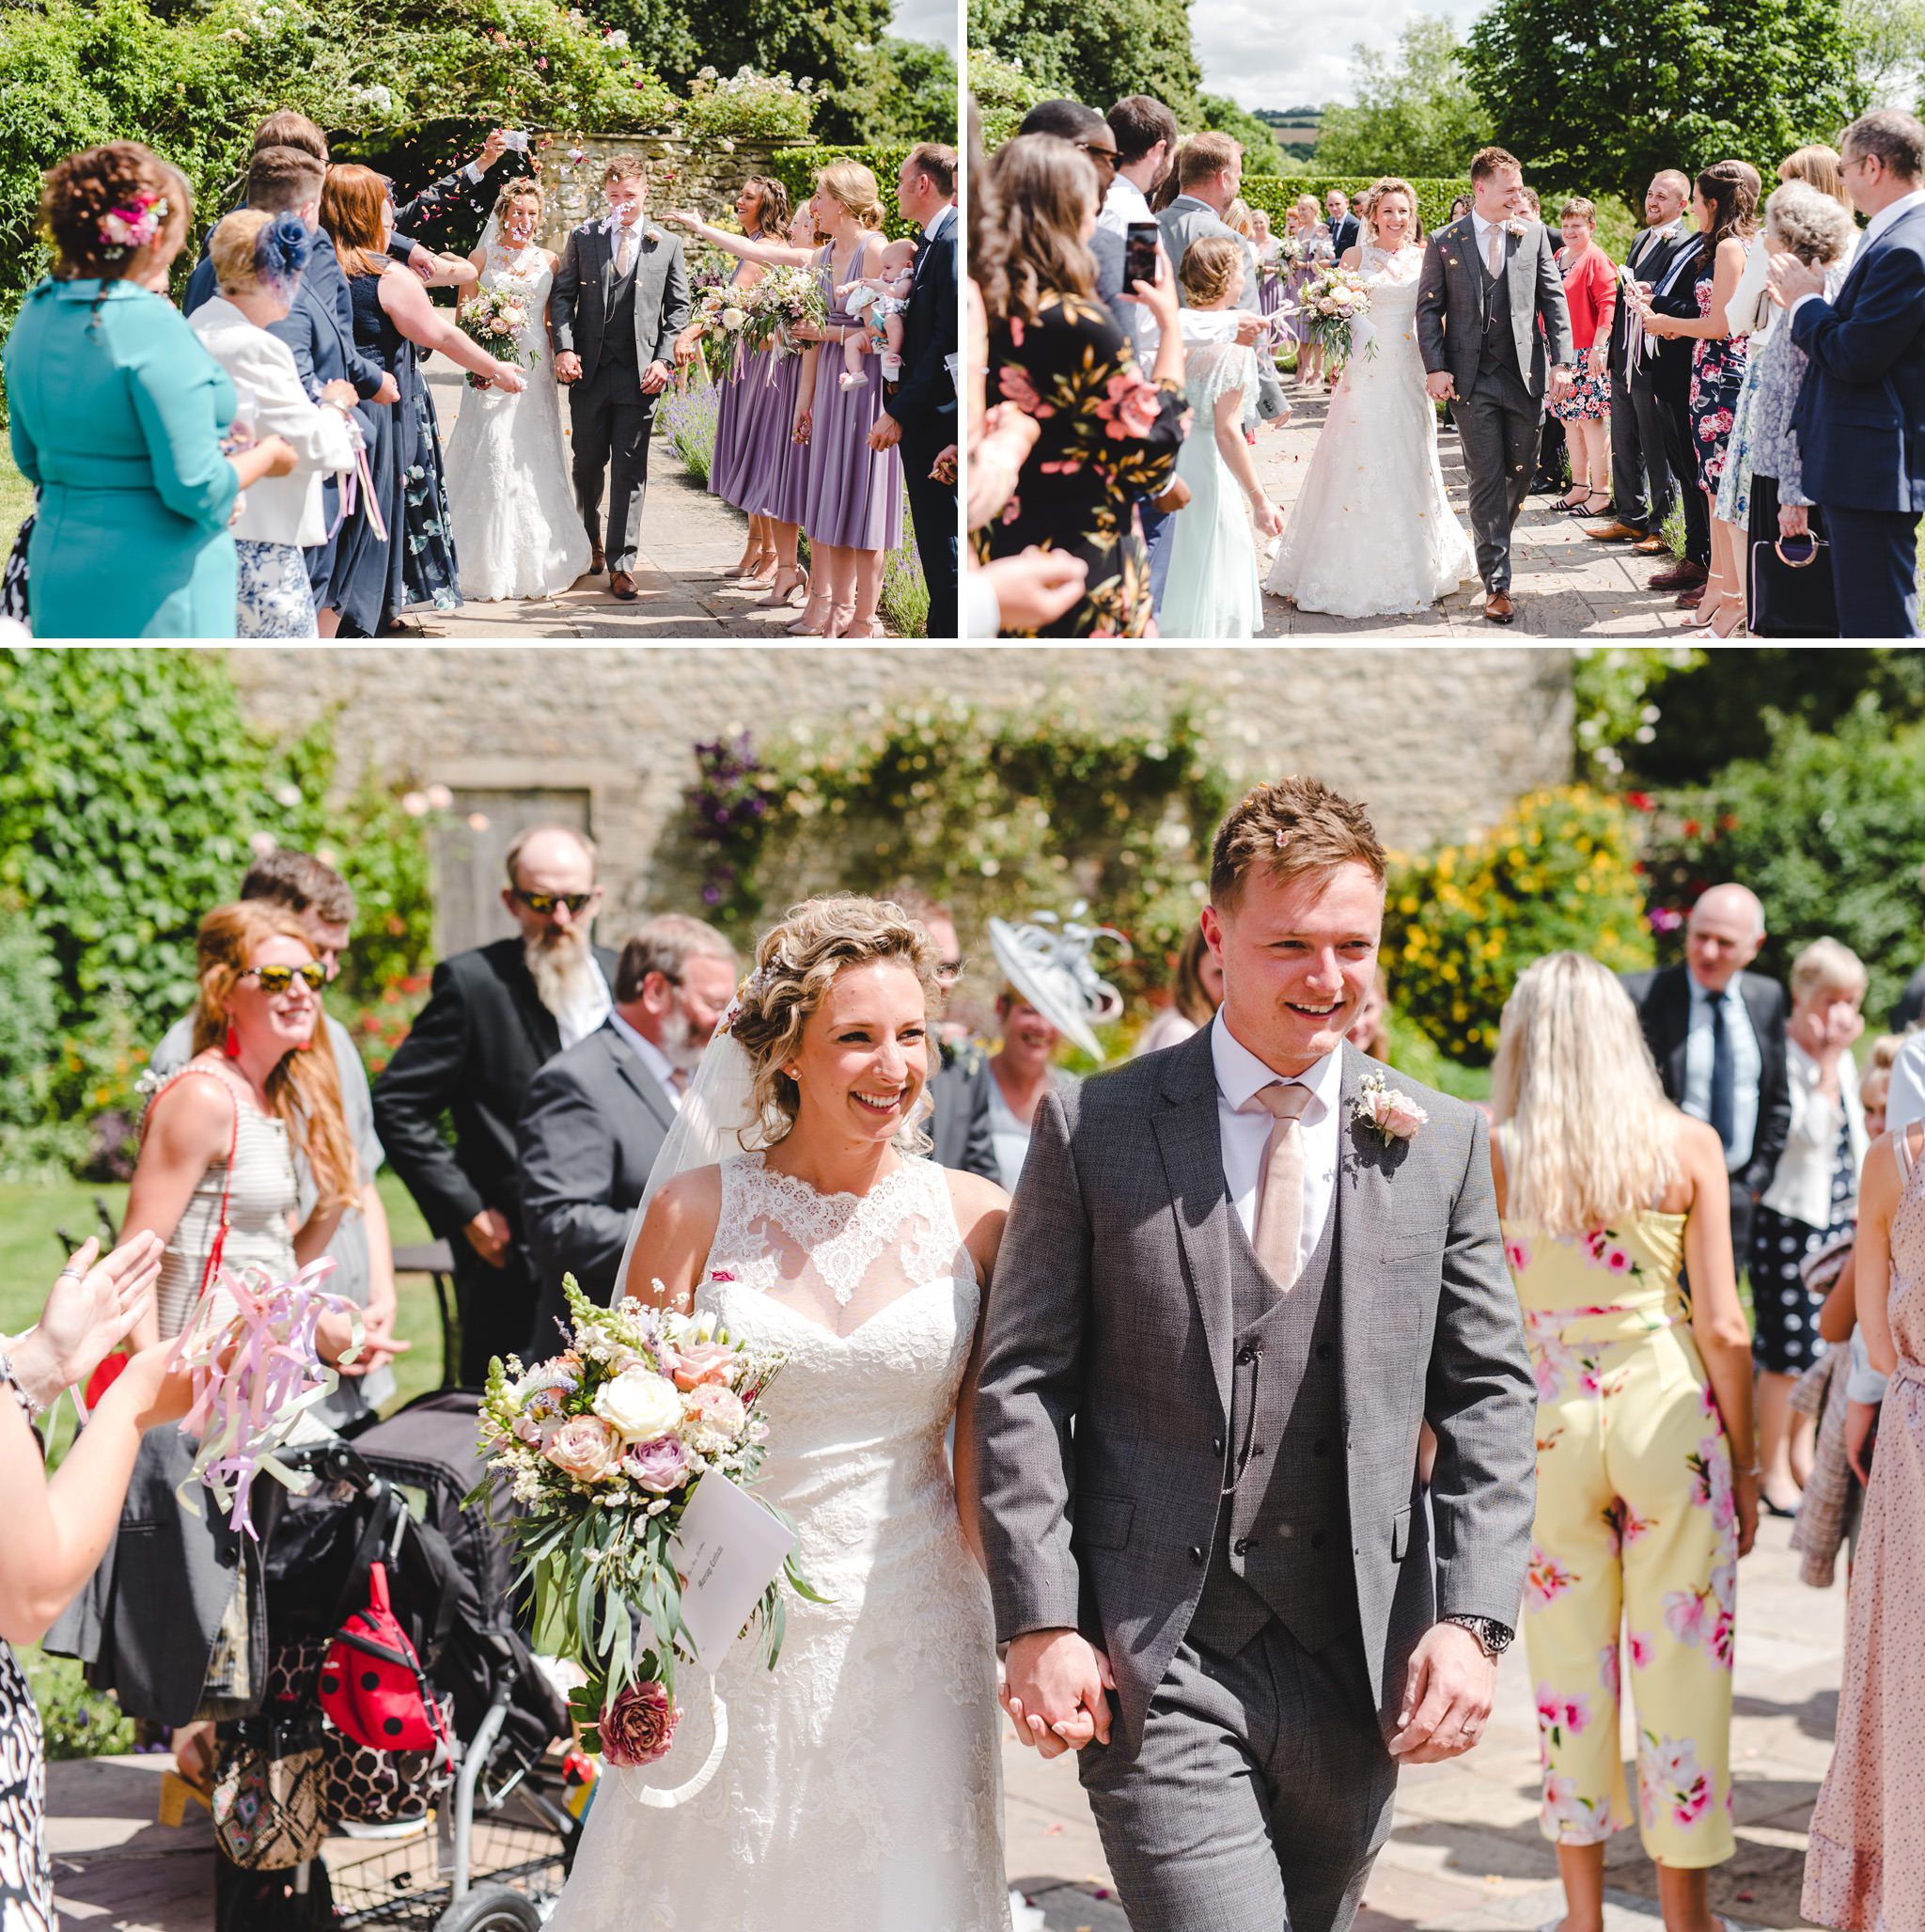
1438,739
682,174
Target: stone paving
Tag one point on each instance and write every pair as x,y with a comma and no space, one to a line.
690,543
1465,1855
1565,585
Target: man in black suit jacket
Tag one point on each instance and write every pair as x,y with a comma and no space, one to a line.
1674,292
1345,230
1717,1033
1637,434
494,1017
921,412
596,1115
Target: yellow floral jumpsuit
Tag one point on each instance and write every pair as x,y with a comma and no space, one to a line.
1635,1539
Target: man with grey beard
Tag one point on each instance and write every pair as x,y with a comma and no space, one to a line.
494,1017
597,1114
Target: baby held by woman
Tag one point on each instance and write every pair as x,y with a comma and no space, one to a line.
881,300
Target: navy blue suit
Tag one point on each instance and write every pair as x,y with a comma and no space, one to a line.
925,405
1861,428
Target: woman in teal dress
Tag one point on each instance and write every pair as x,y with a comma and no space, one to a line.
118,414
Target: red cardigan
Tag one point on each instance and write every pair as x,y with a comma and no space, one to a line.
1591,292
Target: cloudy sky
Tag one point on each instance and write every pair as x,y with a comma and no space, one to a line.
1261,55
929,20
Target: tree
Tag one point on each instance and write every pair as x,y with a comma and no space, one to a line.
1605,92
1097,51
1891,50
912,93
1415,114
1222,116
832,41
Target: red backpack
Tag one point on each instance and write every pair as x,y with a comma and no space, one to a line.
372,1686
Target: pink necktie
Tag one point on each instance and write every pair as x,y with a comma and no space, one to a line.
1280,1193
1496,239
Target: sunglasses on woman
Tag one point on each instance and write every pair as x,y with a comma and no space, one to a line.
277,978
542,904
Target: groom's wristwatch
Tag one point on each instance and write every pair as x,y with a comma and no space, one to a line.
1495,1637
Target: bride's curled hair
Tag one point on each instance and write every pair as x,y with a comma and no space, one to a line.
796,963
1396,184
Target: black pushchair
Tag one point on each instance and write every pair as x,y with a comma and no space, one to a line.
490,1852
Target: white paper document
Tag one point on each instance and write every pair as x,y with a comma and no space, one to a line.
729,1550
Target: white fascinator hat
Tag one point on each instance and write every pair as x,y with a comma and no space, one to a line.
1047,960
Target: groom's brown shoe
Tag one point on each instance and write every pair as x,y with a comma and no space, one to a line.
598,560
1616,532
1682,576
1498,608
621,585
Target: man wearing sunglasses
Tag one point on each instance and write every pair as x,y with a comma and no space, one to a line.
495,1015
360,1251
597,1114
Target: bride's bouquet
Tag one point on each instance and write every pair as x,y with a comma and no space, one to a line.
495,318
602,1449
1326,306
783,298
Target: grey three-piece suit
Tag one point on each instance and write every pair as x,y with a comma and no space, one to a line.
1485,331
617,324
1217,1483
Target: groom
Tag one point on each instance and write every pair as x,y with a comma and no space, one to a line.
619,300
1489,281
1225,1303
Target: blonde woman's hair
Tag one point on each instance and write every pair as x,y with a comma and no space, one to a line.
1237,216
796,964
1186,994
1396,184
304,1088
1828,962
1209,266
232,249
1884,1053
1818,165
854,186
1591,1139
523,188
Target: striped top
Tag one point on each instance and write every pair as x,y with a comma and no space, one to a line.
262,1209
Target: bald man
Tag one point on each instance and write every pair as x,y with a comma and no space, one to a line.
1717,1033
494,1017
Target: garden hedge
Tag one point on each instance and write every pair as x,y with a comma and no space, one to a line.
796,168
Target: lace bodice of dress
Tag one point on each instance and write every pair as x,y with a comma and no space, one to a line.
1392,280
526,275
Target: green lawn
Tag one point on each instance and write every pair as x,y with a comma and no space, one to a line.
30,1258
16,497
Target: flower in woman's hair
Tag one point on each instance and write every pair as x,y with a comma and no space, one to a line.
639,1405
584,1449
659,1467
639,1726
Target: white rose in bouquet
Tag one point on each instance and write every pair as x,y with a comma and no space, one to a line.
732,320
512,318
639,1405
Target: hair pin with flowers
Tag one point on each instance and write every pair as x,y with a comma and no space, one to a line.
135,226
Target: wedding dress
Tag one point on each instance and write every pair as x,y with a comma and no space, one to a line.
511,504
860,1790
1373,534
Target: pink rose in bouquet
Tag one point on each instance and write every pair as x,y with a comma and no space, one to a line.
705,1361
639,1726
661,1467
584,1448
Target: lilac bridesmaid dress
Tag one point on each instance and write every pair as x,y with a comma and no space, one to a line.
855,494
774,466
726,465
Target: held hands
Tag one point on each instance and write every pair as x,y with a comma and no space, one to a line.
488,1236
1560,383
656,378
1447,1691
1056,1687
568,366
1440,385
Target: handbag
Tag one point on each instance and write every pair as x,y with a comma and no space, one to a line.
267,1805
372,1686
1793,596
109,1369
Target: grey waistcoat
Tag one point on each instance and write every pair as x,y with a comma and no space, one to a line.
619,331
1283,1545
1496,351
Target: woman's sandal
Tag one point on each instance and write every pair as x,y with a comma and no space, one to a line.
781,596
810,626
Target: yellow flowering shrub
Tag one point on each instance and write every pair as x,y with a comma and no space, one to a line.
1559,872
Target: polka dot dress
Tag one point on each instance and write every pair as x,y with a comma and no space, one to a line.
1785,1339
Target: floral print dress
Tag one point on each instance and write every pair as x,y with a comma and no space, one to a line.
1633,1561
1108,436
1717,373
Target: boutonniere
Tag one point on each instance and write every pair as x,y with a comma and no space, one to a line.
654,237
1516,228
1388,1112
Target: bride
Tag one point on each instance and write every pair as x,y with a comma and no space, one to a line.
1373,534
512,506
860,1788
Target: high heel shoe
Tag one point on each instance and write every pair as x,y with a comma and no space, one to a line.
840,616
814,620
751,560
781,596
764,573
1726,621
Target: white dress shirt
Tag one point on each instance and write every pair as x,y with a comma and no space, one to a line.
1240,1077
1873,228
651,1055
591,1005
1748,1066
1484,230
1125,203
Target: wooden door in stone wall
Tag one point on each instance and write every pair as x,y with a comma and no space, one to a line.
470,852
